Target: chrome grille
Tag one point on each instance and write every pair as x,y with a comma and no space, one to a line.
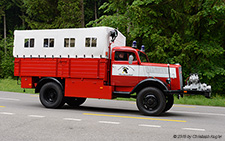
181,78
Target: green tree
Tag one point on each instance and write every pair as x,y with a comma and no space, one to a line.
42,14
6,60
91,9
69,14
189,32
4,5
10,13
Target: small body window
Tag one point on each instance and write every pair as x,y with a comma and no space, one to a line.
66,42
29,42
72,42
94,42
69,42
87,42
48,42
91,42
32,42
51,42
45,42
26,43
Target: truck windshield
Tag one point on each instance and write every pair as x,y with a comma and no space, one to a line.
143,57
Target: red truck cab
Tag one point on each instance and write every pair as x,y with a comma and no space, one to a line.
143,78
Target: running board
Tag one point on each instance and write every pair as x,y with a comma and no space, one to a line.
122,94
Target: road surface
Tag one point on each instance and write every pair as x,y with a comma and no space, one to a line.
23,118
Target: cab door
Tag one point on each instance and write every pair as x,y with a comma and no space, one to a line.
124,75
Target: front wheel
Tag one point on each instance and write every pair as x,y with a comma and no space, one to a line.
51,95
151,101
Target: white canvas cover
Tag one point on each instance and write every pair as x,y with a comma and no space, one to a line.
79,51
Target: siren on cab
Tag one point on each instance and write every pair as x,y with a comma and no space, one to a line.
134,45
143,48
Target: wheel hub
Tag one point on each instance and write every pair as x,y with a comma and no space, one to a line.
51,96
150,101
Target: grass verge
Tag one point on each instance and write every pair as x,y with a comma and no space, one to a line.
217,100
11,85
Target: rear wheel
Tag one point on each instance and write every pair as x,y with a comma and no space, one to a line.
151,101
169,102
51,95
75,101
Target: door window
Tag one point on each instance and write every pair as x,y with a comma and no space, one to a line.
124,56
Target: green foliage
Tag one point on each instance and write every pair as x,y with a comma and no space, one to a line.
69,14
6,60
188,32
42,14
4,5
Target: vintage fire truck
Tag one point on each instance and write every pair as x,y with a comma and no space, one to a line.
70,65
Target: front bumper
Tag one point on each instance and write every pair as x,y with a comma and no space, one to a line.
207,93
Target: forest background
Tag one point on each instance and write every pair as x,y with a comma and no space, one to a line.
188,32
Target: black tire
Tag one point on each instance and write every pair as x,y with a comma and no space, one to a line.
169,102
51,95
151,101
74,101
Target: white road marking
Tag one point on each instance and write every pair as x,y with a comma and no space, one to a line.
211,114
109,122
6,113
12,99
193,129
72,119
36,116
146,125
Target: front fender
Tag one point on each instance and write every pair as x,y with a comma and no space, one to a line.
149,82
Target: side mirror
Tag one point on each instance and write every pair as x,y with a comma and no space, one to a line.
131,58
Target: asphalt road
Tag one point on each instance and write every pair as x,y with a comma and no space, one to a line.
23,118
